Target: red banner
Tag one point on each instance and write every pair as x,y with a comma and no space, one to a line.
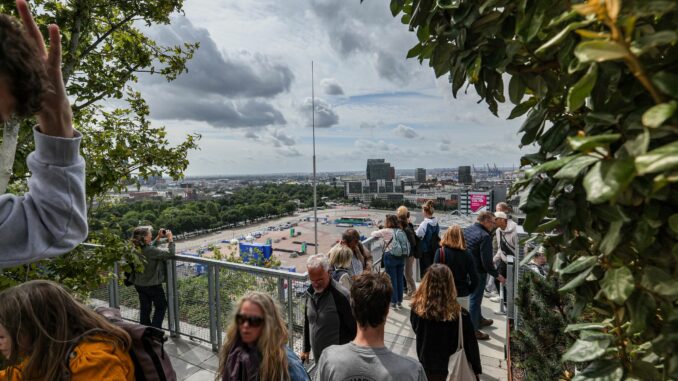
477,201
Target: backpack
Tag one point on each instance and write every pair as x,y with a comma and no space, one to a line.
431,241
413,241
151,362
338,273
400,246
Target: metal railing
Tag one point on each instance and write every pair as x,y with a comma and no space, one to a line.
202,293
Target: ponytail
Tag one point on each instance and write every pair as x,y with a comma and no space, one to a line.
428,207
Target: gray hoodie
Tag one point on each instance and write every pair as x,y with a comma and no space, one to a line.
50,219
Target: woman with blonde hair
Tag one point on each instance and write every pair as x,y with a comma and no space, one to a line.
340,257
434,316
452,252
255,346
45,334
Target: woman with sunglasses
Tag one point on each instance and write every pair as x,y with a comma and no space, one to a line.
255,346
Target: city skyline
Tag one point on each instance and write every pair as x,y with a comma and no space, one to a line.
247,91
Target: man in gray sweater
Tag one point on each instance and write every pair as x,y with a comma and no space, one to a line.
51,218
366,357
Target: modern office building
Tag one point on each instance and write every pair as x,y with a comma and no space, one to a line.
464,174
420,175
379,169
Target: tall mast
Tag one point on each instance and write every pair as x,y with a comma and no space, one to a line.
315,184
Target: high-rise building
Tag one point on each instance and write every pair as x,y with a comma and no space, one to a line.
379,169
420,175
464,174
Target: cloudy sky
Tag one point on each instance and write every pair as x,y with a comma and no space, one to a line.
248,92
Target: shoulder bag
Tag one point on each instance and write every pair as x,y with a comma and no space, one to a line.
458,367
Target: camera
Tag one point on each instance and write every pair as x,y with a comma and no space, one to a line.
163,232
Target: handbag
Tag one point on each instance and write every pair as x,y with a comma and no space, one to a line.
458,367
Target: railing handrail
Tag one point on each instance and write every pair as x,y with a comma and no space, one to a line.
242,267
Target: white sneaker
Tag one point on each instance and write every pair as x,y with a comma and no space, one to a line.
495,299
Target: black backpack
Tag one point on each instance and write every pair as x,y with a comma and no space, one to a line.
151,363
338,273
431,241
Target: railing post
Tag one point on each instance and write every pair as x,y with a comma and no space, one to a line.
211,294
173,301
113,291
217,303
290,312
281,290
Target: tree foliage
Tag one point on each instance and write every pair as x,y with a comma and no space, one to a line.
104,51
597,80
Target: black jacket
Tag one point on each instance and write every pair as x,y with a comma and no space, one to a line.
328,319
412,239
479,245
437,340
463,268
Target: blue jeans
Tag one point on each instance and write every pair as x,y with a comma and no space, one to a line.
395,268
475,300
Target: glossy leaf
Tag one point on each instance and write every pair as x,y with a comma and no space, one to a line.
666,82
587,143
573,168
579,265
576,281
599,51
658,281
522,108
659,159
582,89
607,178
612,237
617,284
656,115
516,89
584,350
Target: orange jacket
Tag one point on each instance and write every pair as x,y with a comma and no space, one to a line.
101,361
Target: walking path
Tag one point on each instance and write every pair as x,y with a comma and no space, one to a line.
194,361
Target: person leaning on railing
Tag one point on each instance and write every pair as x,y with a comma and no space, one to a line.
362,258
255,346
149,282
51,218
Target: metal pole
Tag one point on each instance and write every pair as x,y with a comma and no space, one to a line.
315,195
290,312
210,297
217,303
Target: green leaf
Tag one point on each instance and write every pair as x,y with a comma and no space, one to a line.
612,238
638,145
582,89
656,115
645,43
599,51
587,143
573,168
532,125
658,281
548,166
618,284
396,7
586,326
641,305
560,36
660,159
580,264
415,51
607,179
516,89
576,281
583,350
522,108
666,82
474,70
673,223
601,370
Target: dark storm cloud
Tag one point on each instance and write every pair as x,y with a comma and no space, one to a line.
213,72
330,86
324,115
216,111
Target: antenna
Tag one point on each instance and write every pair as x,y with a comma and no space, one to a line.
315,195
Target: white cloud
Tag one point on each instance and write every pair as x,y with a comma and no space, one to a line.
330,86
406,132
324,114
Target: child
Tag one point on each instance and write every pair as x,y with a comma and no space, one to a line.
340,257
45,334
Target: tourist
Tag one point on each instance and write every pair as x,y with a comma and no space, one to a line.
455,256
327,311
366,357
538,263
435,316
45,334
256,344
428,233
340,257
405,224
362,258
50,219
149,282
394,263
479,245
506,238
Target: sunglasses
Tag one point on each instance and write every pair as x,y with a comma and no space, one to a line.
253,321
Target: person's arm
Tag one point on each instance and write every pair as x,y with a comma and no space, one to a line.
421,230
367,256
472,272
436,256
486,256
51,219
307,336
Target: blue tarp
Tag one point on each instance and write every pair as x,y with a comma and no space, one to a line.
248,253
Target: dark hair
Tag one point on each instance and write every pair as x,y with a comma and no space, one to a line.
485,216
42,319
392,221
21,67
350,235
370,298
